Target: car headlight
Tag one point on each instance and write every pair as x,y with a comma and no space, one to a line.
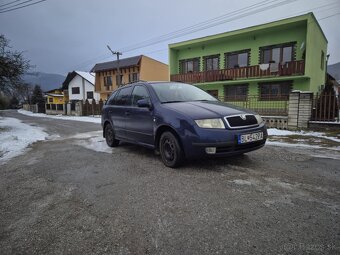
210,123
258,118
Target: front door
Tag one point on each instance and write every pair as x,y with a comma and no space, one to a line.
139,123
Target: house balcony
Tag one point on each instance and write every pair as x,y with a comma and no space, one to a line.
247,72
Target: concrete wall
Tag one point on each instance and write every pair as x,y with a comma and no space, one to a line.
299,109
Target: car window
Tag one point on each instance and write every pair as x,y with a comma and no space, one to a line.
124,97
180,92
139,92
111,98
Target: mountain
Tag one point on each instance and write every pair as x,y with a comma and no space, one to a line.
334,70
47,81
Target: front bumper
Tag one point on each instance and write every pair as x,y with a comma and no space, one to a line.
225,141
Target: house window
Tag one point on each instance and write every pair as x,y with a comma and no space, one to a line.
119,81
322,60
75,90
237,59
213,92
133,77
89,94
211,62
275,90
236,92
107,81
50,100
189,65
277,53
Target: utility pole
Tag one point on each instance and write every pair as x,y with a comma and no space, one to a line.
117,53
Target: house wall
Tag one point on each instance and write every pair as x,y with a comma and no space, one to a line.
99,81
304,30
316,42
252,40
153,70
84,87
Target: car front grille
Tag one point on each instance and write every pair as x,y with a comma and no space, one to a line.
241,121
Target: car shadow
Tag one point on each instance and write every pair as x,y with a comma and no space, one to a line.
218,164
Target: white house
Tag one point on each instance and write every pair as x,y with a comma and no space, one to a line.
80,86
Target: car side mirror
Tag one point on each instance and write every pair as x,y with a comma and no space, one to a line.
144,103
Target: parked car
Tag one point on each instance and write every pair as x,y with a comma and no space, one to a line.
179,121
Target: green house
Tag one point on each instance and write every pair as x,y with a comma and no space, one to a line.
255,67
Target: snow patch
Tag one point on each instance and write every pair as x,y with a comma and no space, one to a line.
278,132
16,137
96,119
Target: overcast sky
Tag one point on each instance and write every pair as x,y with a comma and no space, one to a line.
59,36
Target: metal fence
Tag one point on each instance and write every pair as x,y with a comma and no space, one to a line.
264,106
325,107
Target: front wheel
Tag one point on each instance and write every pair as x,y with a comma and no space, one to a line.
170,150
110,136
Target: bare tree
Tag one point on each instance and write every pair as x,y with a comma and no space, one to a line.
12,66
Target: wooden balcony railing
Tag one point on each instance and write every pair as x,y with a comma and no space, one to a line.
258,71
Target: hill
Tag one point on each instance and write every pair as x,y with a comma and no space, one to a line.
47,81
334,70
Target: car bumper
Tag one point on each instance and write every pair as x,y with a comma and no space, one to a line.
225,142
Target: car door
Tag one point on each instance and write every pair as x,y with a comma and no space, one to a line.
139,123
119,111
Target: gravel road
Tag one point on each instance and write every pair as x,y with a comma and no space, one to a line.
73,195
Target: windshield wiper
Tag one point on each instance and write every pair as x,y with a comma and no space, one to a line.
174,101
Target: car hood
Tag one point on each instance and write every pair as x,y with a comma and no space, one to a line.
205,109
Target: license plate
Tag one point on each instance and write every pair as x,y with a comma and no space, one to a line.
248,138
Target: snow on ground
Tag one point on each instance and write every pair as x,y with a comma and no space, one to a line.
278,132
16,136
62,117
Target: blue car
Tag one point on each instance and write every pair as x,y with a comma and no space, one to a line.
179,121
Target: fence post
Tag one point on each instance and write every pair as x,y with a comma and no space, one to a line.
305,109
93,106
293,109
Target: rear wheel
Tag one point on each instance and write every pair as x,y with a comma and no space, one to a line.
110,136
170,150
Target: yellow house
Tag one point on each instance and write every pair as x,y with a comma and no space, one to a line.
55,96
131,69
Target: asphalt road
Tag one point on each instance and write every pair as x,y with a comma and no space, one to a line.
64,197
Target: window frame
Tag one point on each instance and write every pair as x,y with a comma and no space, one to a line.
227,55
211,57
107,78
73,90
237,98
280,96
281,47
195,65
87,95
132,78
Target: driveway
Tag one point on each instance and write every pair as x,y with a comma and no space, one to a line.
73,195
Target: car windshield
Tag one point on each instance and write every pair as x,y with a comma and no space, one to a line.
180,92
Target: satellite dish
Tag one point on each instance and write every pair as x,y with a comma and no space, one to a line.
302,45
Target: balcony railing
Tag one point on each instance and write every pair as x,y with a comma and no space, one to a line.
257,71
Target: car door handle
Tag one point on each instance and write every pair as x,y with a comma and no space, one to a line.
127,113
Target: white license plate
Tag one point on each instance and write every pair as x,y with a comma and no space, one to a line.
248,138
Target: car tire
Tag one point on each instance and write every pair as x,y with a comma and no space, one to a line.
171,152
110,136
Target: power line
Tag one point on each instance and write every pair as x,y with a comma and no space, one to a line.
239,14
178,33
10,3
207,25
24,2
22,6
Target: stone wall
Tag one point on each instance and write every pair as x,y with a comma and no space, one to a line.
299,109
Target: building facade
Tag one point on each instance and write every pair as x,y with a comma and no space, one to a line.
131,70
80,86
266,61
